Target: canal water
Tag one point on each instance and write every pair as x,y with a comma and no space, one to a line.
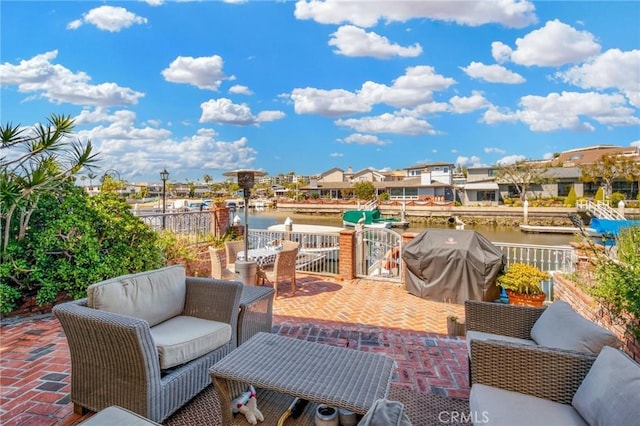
502,234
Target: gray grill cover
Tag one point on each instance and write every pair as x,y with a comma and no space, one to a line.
452,266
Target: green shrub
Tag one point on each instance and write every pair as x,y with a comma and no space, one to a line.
618,281
571,199
73,241
616,197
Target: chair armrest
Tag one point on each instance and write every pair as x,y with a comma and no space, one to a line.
114,350
212,299
500,318
547,373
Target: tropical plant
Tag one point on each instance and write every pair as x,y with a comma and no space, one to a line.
73,241
35,161
523,278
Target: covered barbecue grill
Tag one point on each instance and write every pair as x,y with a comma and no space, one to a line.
452,266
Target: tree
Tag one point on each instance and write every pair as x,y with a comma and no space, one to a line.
39,160
608,168
364,190
91,177
522,175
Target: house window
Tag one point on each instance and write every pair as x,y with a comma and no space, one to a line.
486,195
589,189
564,188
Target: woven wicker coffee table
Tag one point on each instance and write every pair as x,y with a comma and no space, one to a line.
340,377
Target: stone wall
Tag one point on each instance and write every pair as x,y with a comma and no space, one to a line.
584,304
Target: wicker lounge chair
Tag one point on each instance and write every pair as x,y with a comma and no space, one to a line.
145,341
556,327
513,384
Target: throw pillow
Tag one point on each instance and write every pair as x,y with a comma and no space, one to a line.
610,392
561,327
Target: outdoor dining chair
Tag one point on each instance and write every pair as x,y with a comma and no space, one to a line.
284,268
218,267
231,249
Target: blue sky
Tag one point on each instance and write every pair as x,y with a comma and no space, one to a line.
203,87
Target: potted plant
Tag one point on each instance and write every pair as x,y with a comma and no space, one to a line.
522,284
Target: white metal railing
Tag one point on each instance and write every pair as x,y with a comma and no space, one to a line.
195,225
548,258
600,210
318,252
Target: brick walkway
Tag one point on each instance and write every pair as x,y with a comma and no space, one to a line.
365,315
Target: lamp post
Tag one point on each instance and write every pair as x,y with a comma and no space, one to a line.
246,179
164,175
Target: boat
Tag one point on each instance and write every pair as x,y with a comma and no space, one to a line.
370,217
609,228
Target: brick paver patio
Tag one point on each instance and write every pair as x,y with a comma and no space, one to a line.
364,315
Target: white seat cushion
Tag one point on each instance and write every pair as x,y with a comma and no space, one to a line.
610,392
561,327
495,406
182,338
479,335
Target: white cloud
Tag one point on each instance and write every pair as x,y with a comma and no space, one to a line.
204,72
494,150
553,45
108,18
139,151
413,88
240,90
547,156
389,123
360,139
500,51
471,103
224,111
613,69
154,2
566,110
270,115
510,159
354,41
41,76
635,143
473,161
510,13
492,73
329,103
336,154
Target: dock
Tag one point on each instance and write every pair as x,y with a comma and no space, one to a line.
535,229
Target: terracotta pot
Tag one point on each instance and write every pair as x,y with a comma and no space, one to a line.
526,299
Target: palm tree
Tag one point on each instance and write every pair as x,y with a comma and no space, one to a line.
44,162
91,177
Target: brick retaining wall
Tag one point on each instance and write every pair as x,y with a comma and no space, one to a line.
588,307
